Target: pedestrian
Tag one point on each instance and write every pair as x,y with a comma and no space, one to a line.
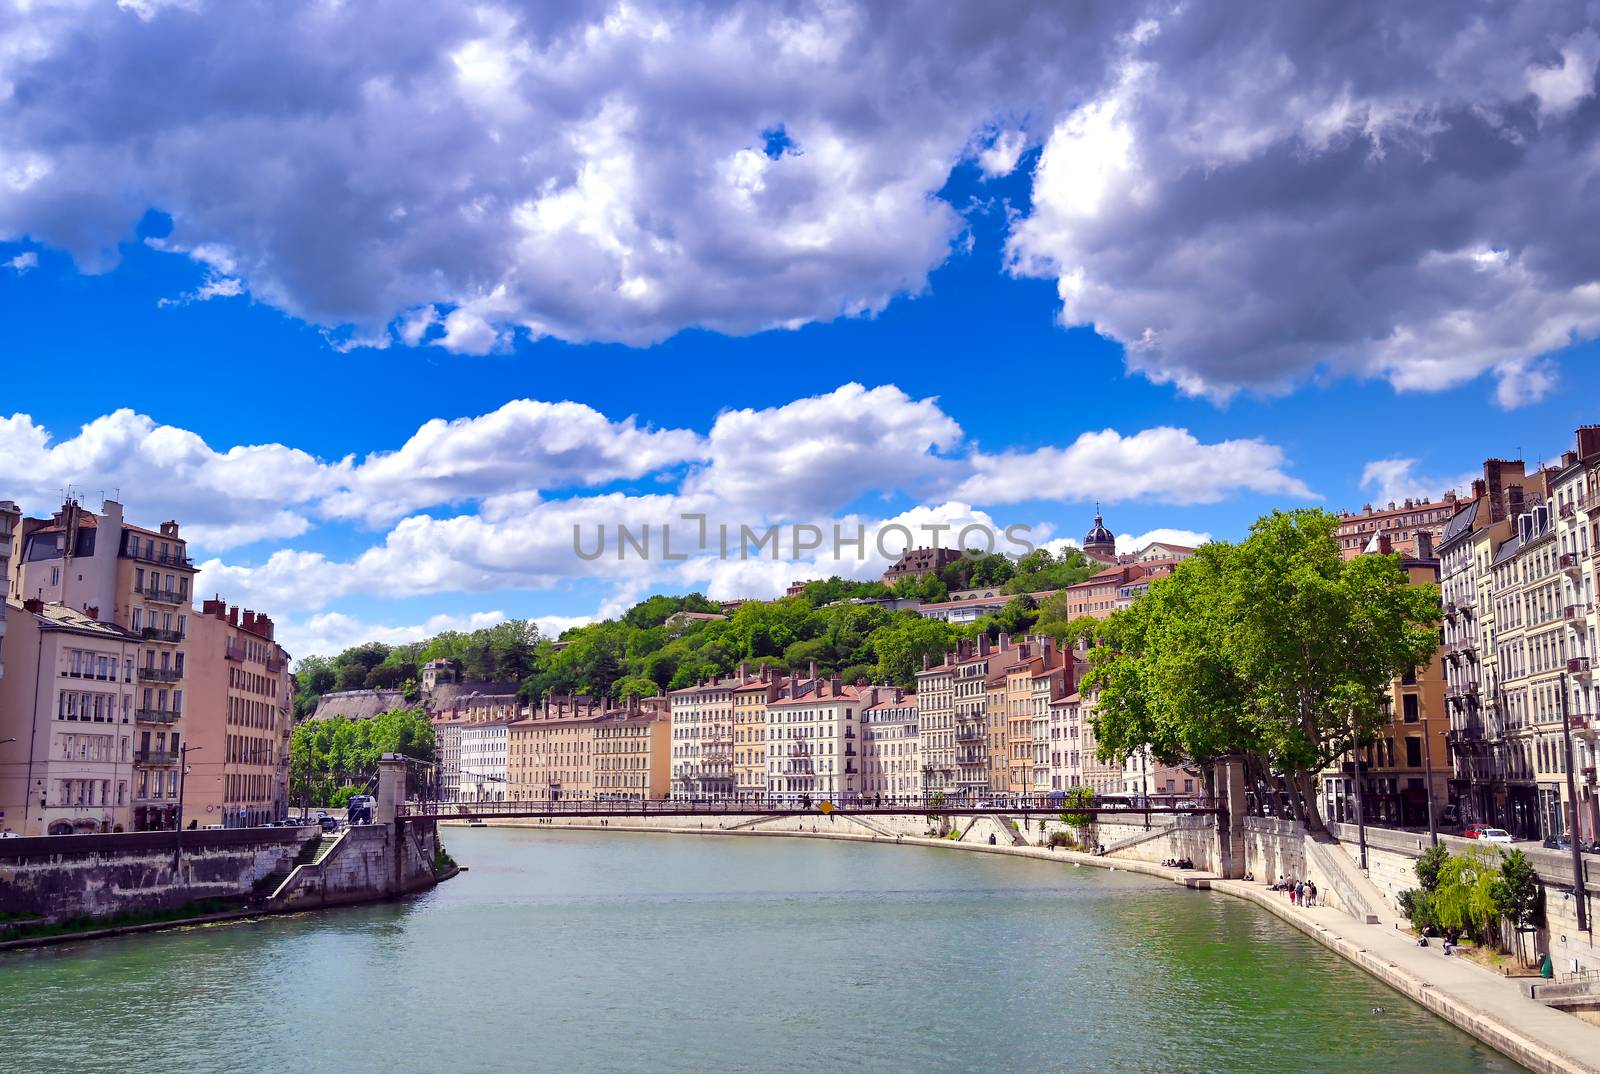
1294,893
1311,893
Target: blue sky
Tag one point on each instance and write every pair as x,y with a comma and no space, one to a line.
1260,320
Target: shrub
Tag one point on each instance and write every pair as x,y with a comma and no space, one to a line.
1428,867
1463,898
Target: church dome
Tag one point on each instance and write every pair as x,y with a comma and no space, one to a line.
1099,538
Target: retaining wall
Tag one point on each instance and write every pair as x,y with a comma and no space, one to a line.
68,876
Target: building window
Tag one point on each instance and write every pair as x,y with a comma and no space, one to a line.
1411,707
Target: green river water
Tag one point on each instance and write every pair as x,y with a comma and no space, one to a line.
578,952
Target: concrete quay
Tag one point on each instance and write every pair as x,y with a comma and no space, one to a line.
1489,1007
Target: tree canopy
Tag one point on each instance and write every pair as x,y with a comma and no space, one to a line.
1276,648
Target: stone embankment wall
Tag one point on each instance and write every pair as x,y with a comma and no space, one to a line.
68,876
1391,861
363,866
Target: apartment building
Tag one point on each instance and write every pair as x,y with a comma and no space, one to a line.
936,725
68,760
10,515
750,700
915,562
1402,523
632,754
1101,776
240,718
550,751
702,739
483,762
1476,739
1097,596
447,757
138,579
891,763
814,741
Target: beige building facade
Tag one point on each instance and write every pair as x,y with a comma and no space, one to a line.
68,708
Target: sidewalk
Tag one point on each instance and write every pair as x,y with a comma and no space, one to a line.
1490,1007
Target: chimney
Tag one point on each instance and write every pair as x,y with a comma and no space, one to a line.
744,672
34,605
1513,501
1005,642
927,661
1424,544
1385,545
1588,441
983,645
1478,488
92,611
1047,650
217,608
1569,458
837,684
813,673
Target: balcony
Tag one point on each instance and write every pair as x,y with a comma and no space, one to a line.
151,633
1571,563
166,559
159,596
1576,614
147,756
1567,510
969,734
274,665
1461,691
233,651
150,674
162,716
1578,666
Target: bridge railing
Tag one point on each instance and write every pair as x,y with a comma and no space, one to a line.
1031,805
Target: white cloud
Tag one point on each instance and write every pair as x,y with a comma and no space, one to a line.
1559,87
523,445
591,170
1000,156
1166,464
332,632
24,261
1247,205
824,451
1397,480
521,498
1161,535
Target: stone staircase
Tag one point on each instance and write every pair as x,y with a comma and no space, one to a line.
1359,897
311,850
312,853
1017,838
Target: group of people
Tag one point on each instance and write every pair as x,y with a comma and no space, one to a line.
1299,892
1178,863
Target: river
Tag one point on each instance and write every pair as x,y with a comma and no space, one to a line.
579,952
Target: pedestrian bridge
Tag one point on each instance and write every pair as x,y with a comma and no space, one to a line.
792,806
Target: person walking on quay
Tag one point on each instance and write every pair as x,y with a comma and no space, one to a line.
1311,893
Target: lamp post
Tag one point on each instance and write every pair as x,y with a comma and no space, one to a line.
1579,892
183,771
1427,777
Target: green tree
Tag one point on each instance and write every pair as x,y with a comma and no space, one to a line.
902,642
1075,802
1516,893
1464,900
1277,648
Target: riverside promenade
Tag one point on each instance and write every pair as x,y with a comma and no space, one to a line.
1484,1004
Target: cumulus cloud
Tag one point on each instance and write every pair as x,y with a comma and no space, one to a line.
224,499
824,451
587,170
24,261
1166,464
1251,202
331,632
1397,480
525,444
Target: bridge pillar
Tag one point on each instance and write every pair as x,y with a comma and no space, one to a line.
391,788
1230,789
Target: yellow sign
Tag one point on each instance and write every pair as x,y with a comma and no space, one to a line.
826,807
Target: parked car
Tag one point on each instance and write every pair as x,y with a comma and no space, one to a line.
1494,835
1557,842
1473,831
326,820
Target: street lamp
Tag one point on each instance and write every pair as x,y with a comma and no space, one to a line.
1578,891
183,771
